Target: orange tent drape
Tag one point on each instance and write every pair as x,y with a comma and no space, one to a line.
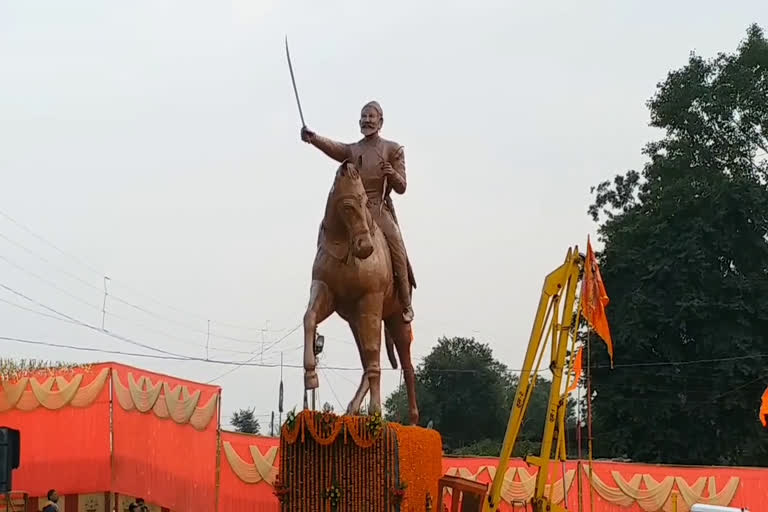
237,495
158,458
62,446
751,484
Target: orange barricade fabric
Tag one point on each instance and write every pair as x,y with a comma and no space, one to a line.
166,444
625,487
165,439
64,424
248,468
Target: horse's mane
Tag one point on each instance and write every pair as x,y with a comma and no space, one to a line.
348,169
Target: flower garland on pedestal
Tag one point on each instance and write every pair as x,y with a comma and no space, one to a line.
355,456
331,462
281,490
398,493
333,496
375,424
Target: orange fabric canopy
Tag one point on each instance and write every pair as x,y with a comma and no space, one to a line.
168,448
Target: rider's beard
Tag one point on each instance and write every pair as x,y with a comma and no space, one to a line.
368,129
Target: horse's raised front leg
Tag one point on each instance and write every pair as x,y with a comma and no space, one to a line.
319,308
369,328
362,389
401,333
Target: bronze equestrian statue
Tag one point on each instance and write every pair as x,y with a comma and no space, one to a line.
361,269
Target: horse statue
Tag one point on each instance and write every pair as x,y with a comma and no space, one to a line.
352,276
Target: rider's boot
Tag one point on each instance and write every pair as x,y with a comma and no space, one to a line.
404,293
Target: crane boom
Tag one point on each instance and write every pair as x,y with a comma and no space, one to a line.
556,321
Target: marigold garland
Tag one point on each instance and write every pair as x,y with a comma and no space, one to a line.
14,369
281,490
326,427
421,463
375,423
333,496
398,493
292,427
331,462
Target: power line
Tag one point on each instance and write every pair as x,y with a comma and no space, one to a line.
120,300
47,261
346,378
171,357
685,363
51,284
91,349
125,339
65,320
250,363
330,386
245,363
87,325
101,275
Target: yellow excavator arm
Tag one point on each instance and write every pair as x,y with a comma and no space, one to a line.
556,321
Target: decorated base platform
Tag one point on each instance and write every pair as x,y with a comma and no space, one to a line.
355,464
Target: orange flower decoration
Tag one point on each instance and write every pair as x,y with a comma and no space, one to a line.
366,474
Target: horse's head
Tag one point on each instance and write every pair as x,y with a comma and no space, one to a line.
347,210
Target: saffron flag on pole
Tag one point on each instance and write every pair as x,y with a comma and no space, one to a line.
764,409
576,372
594,299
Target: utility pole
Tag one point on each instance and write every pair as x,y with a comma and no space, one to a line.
104,304
280,397
262,340
207,340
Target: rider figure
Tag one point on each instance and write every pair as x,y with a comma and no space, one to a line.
383,168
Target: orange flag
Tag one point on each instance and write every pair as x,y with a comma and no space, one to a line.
594,299
576,372
764,409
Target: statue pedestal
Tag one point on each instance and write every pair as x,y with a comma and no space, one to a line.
355,464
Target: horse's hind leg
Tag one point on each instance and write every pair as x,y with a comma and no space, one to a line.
319,308
401,333
362,389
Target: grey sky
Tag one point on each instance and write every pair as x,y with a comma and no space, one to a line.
159,143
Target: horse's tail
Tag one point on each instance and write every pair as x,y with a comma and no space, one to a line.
390,348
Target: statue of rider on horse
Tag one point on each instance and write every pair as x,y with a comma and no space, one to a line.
383,170
361,269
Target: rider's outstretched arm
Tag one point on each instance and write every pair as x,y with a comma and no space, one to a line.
336,150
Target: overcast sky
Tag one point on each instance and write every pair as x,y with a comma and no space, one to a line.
157,143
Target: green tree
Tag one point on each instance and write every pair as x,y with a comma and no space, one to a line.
244,420
467,395
686,266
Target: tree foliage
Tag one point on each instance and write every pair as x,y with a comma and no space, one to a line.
244,420
467,395
685,261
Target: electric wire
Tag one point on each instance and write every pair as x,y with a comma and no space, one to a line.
66,320
98,308
246,363
101,274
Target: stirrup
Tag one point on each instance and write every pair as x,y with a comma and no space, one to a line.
408,314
